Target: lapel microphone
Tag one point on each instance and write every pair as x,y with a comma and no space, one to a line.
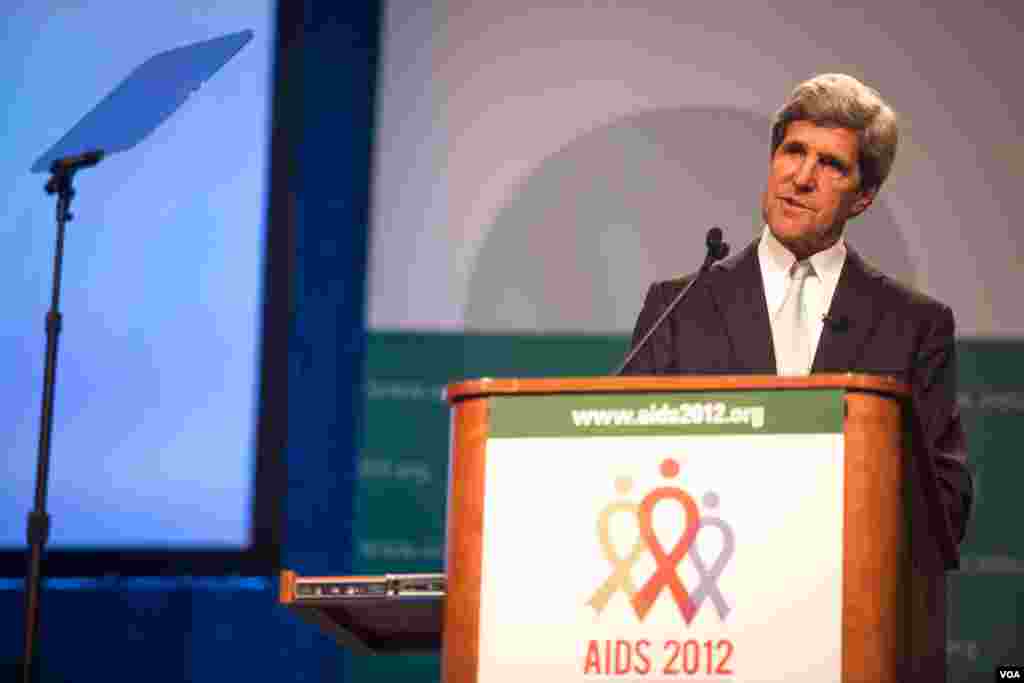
717,250
836,323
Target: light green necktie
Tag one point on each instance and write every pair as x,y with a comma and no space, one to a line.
791,329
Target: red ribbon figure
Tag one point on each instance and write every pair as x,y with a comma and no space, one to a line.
666,574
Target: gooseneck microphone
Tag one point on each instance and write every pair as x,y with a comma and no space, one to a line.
717,250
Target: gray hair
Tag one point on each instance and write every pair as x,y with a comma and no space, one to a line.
838,100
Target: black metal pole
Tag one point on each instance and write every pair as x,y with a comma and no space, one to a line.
38,528
717,250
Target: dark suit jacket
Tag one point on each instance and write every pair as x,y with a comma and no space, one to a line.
878,327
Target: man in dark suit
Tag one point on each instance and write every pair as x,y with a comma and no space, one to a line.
800,300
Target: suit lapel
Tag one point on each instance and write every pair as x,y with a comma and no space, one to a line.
738,293
853,317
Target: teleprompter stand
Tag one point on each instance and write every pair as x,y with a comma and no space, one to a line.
63,172
147,97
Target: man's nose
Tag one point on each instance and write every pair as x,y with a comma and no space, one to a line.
804,177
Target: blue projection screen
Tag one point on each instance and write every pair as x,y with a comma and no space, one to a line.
158,370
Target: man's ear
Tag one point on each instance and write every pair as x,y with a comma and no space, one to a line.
863,201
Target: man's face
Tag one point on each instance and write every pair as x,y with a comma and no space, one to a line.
813,187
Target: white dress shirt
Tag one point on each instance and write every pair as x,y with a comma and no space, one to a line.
776,261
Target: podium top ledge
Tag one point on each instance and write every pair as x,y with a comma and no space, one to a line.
486,386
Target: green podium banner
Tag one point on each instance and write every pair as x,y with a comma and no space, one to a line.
747,412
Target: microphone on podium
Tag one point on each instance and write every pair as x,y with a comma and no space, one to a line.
717,249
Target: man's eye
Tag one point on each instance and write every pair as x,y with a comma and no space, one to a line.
836,166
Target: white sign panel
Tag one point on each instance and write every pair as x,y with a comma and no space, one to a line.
654,558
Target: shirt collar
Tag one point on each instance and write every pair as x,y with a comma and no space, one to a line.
776,258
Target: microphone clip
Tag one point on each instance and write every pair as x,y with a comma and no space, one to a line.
836,323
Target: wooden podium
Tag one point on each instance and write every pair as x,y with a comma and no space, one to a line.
831,543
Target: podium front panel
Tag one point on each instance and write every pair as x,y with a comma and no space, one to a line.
662,536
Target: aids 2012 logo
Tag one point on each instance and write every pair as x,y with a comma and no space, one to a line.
637,656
